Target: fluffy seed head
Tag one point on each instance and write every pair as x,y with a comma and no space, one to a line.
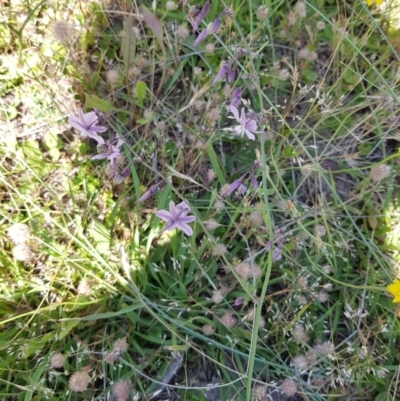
171,6
319,231
299,334
211,175
292,18
78,382
213,115
120,345
208,330
112,76
325,349
135,71
256,218
210,48
181,32
322,296
289,387
22,253
228,320
259,392
62,31
110,357
300,363
379,173
57,360
121,390
283,74
217,297
262,13
142,62
211,224
219,250
243,270
302,282
311,357
320,25
84,287
19,233
300,9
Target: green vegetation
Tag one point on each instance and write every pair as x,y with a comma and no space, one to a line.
281,288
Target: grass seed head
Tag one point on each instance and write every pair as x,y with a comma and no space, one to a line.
262,13
228,320
121,390
120,345
217,297
289,387
379,173
181,32
208,330
300,363
62,31
22,253
326,348
57,360
300,9
78,382
19,233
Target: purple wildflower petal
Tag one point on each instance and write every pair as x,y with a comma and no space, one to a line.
242,189
150,192
276,253
250,135
235,113
233,187
186,229
164,215
251,125
213,26
231,75
254,182
268,246
201,37
201,15
187,219
100,156
221,73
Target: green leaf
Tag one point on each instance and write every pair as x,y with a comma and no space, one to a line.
52,141
128,45
101,236
31,149
154,24
93,101
141,91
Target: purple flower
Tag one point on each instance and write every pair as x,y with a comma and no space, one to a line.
276,251
149,193
111,153
201,37
197,14
176,217
233,187
221,73
213,26
86,125
246,126
231,75
236,98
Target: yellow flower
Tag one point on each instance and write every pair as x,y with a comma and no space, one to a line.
394,289
370,2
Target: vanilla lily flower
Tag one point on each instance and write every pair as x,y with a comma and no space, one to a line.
246,125
176,217
86,125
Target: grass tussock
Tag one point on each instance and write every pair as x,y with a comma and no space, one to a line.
199,201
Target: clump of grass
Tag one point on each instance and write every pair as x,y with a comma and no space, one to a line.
267,133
